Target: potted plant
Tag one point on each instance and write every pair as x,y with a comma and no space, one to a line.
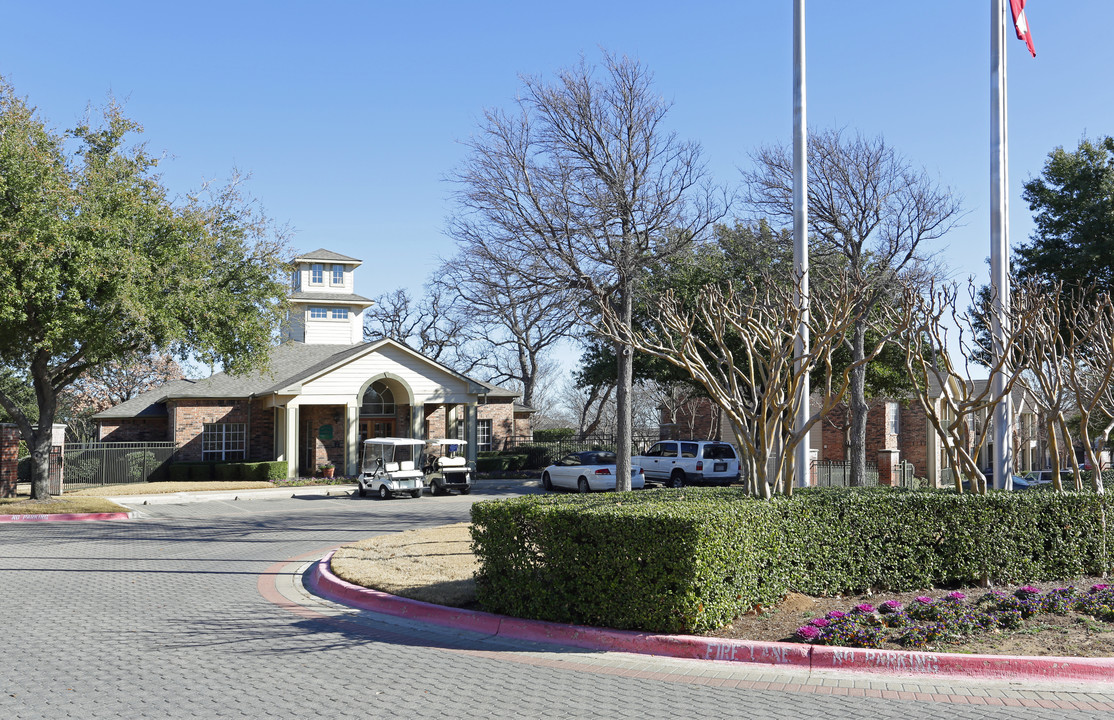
326,470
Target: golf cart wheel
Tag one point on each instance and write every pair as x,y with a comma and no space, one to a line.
434,487
546,482
582,485
384,493
677,479
416,493
361,490
466,489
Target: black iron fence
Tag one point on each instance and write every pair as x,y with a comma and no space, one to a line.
640,442
836,473
95,464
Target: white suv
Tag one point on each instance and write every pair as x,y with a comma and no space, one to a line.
676,462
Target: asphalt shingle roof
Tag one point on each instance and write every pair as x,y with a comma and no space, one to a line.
328,255
331,297
290,363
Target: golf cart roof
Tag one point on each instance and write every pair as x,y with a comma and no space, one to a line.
446,441
393,441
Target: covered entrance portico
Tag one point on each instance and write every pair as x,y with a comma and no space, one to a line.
388,391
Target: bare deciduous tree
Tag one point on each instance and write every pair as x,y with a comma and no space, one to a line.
738,344
513,324
868,207
120,380
585,179
433,326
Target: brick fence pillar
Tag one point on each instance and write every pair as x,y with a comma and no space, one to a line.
887,466
9,459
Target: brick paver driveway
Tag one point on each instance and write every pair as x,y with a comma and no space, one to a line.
170,616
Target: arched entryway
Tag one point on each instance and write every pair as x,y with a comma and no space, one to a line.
386,408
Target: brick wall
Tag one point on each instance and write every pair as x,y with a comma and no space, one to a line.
914,437
313,418
9,460
524,424
696,418
436,417
501,415
189,416
261,433
140,429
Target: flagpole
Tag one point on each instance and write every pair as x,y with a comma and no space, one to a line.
800,236
999,242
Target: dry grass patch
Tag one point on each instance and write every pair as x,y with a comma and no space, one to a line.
164,488
434,565
58,506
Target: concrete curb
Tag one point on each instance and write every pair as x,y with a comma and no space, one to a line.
182,498
320,580
66,517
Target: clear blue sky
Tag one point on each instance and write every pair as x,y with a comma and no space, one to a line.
348,115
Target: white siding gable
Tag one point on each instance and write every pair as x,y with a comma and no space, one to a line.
429,383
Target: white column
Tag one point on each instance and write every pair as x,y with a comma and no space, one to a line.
292,417
470,431
352,440
999,241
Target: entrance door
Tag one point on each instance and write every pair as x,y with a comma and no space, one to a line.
376,427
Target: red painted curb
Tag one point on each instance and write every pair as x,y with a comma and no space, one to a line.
984,666
814,657
65,516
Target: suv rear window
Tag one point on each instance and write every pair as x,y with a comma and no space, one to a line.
719,452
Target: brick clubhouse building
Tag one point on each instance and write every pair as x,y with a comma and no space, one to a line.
325,390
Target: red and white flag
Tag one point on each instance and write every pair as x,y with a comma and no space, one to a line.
1021,24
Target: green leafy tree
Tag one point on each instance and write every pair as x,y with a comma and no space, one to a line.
1073,206
100,262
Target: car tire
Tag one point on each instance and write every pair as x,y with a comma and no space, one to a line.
677,479
416,493
361,490
465,490
384,493
547,484
434,488
582,485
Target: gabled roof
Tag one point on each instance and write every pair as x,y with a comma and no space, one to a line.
328,256
343,298
290,364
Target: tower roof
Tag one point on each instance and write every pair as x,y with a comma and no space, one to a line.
328,256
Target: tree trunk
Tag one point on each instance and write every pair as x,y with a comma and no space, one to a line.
40,435
1054,454
857,398
623,389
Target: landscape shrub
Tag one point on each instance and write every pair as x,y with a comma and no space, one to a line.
201,472
271,470
668,561
226,472
178,472
489,461
515,460
537,456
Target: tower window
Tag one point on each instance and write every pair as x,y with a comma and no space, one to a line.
338,275
340,313
318,312
317,274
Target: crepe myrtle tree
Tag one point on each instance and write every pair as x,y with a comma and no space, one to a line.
583,177
100,263
955,405
737,342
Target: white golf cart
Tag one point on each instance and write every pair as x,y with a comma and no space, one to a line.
446,469
390,466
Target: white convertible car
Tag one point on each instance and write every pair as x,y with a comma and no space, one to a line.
587,471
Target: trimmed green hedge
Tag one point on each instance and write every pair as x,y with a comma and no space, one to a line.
668,561
267,471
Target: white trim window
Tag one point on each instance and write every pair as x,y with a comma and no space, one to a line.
338,275
339,313
223,441
318,313
317,274
893,418
296,281
483,434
